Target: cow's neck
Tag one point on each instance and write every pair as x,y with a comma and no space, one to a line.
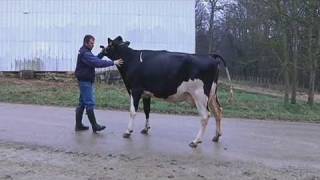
129,57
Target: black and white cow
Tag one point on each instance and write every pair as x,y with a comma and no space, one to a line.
171,76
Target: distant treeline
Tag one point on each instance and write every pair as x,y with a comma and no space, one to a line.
269,41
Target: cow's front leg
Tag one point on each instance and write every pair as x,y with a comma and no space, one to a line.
134,103
146,108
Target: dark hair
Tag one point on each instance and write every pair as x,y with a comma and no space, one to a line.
87,38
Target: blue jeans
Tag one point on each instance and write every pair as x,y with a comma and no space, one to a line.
87,97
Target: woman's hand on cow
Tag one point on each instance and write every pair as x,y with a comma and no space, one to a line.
118,62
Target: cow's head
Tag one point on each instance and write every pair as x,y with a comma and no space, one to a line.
113,50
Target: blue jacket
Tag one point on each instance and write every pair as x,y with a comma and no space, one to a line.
86,64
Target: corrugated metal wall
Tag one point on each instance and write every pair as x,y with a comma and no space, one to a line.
46,34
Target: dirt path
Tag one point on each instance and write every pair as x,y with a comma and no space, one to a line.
33,162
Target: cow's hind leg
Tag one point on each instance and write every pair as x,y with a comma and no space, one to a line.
134,103
146,108
201,100
217,111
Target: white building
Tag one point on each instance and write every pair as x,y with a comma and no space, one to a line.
46,34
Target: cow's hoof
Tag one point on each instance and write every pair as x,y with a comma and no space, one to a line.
193,145
144,131
126,135
215,139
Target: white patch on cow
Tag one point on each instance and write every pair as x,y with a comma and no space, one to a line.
190,91
193,91
213,89
132,110
132,115
201,101
147,94
141,57
186,91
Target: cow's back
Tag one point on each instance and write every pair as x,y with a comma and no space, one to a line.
163,72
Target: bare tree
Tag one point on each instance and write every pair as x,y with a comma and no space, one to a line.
213,7
312,21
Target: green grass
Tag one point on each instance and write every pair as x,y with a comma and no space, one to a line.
251,105
246,105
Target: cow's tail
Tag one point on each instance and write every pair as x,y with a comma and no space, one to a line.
215,56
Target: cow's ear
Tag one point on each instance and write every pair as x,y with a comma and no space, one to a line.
119,38
109,41
127,43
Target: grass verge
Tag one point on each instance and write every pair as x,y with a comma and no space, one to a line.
247,105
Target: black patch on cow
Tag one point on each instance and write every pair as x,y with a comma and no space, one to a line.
162,72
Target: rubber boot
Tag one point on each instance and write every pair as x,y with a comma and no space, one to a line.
95,126
79,126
